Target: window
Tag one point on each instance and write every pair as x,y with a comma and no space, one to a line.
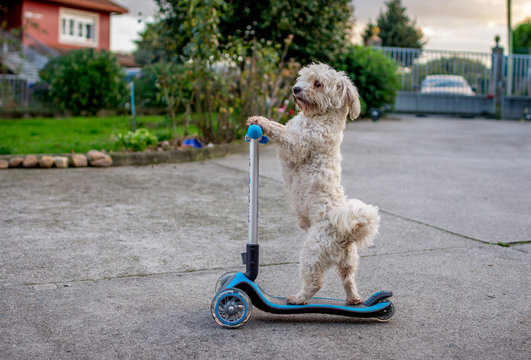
78,27
89,31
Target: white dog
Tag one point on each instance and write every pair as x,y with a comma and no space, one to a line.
310,157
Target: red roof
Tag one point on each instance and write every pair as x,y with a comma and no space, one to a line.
102,5
126,60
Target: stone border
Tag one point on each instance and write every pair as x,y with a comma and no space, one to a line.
176,156
158,157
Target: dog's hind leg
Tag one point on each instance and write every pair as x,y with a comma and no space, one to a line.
313,267
347,271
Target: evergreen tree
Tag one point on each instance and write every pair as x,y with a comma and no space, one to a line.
396,28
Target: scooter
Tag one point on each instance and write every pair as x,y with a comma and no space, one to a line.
237,292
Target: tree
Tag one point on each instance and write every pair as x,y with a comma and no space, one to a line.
177,26
221,84
522,37
321,29
85,81
156,43
396,28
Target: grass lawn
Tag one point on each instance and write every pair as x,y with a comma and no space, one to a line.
80,134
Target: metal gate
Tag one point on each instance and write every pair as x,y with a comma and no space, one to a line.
462,82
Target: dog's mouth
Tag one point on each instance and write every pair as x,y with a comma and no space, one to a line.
298,99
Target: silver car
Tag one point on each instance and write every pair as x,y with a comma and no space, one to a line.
446,84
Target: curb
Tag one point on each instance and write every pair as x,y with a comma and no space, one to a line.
175,156
159,157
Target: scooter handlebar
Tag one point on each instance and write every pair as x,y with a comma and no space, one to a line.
254,132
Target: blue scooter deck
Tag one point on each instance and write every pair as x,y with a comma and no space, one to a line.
278,305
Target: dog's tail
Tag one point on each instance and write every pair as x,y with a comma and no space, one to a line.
355,221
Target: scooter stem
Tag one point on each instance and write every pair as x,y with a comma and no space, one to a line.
251,256
253,191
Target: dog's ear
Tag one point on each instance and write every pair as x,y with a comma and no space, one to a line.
350,96
352,99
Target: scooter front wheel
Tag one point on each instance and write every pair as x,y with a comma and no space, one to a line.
231,308
223,279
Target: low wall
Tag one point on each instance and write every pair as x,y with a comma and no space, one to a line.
513,107
414,102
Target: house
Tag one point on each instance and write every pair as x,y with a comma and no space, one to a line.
46,28
63,24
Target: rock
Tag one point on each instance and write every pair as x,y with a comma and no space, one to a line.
94,155
46,162
99,159
30,161
102,162
79,160
4,164
60,161
15,162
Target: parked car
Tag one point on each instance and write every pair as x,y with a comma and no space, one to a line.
446,84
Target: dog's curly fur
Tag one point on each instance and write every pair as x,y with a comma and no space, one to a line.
309,151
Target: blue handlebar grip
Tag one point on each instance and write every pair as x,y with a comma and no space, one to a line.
264,140
254,132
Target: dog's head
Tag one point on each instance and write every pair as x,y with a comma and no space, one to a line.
320,90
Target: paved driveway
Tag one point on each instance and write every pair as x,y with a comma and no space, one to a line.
121,263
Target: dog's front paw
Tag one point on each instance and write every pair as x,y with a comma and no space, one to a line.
257,120
295,300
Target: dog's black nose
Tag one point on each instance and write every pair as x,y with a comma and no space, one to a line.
296,90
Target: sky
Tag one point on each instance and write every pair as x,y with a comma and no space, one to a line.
464,25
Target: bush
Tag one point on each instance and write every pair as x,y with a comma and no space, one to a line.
138,140
373,73
85,81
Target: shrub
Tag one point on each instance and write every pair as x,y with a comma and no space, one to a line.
138,140
85,81
373,73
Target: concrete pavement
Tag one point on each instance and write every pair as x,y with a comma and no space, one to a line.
121,263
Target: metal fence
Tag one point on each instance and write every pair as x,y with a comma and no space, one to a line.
518,72
442,71
459,72
14,92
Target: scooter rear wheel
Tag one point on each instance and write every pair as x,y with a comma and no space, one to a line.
231,308
387,313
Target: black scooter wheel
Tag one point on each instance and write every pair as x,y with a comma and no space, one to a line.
231,308
222,279
387,313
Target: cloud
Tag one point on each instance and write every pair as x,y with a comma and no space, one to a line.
124,30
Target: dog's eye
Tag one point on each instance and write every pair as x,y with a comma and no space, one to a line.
318,84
